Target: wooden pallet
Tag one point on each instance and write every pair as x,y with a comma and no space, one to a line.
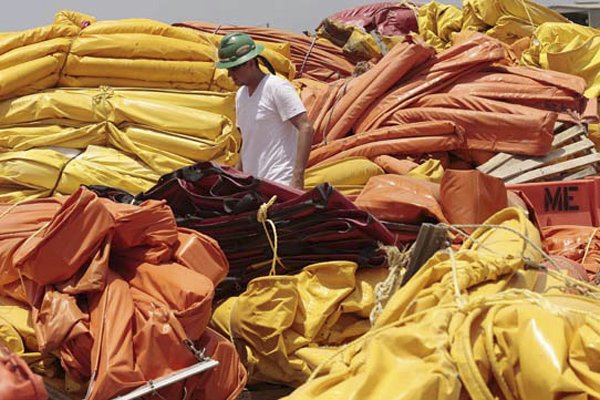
573,156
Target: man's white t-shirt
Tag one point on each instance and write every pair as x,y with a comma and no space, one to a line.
269,139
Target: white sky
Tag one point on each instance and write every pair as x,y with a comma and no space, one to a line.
291,15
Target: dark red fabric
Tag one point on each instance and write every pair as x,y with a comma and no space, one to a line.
387,18
221,202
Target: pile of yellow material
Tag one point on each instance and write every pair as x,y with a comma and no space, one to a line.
77,51
350,175
54,141
475,323
506,20
280,322
437,22
569,48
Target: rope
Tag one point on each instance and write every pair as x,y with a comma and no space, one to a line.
312,44
460,301
397,261
582,287
589,243
262,217
506,297
528,14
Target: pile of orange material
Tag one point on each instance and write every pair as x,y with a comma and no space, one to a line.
314,58
114,290
467,98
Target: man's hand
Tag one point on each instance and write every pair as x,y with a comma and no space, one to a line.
297,182
305,136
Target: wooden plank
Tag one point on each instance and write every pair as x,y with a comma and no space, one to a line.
587,171
567,135
494,162
556,168
558,126
525,164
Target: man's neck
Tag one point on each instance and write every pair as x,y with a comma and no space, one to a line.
255,81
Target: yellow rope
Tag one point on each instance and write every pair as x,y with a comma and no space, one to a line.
262,217
397,261
528,14
460,301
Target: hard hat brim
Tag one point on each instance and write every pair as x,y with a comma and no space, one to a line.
239,61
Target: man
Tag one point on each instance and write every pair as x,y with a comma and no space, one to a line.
276,133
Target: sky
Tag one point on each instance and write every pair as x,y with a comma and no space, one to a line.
290,15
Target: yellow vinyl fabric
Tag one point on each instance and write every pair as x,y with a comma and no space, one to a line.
475,323
569,48
78,51
349,176
355,42
507,20
17,332
53,141
431,171
437,22
284,326
594,135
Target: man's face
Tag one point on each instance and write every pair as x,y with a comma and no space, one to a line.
239,73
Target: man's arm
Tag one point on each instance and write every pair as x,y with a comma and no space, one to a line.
305,137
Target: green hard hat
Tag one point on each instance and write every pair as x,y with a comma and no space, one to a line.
236,48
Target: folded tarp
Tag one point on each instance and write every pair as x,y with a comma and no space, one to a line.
386,18
496,108
56,140
313,58
507,20
125,288
474,323
569,48
437,22
315,226
287,324
580,244
336,117
411,138
78,51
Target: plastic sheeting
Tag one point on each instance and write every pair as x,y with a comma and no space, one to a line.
401,199
494,108
471,197
474,324
348,176
437,22
387,18
580,244
121,297
316,226
78,51
339,112
56,140
507,20
283,325
569,48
